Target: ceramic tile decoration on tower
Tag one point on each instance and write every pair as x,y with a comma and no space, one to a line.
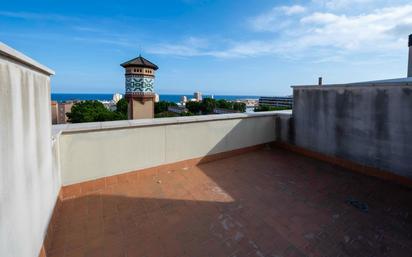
140,95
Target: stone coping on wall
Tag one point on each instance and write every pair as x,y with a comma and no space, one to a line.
122,124
20,58
377,83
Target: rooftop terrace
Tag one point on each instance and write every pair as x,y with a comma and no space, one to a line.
333,178
268,202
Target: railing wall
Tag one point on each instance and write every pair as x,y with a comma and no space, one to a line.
28,184
367,124
95,150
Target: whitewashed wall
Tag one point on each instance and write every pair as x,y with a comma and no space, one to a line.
95,150
28,185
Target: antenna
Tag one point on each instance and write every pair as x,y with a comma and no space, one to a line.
140,50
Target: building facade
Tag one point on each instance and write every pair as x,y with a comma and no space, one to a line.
177,109
117,97
59,111
276,101
198,96
183,99
54,108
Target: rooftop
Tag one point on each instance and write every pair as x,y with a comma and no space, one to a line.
268,202
213,185
140,62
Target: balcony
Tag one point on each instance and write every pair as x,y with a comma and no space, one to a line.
265,202
333,178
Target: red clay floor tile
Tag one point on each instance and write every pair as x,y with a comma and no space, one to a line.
268,202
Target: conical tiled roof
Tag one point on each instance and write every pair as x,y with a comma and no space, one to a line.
139,62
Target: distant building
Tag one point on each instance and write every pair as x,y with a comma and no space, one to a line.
140,94
117,97
110,105
62,109
177,109
54,107
183,99
157,98
224,111
249,102
198,96
277,101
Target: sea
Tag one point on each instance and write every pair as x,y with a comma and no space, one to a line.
58,97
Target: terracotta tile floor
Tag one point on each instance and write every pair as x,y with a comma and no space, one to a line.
264,203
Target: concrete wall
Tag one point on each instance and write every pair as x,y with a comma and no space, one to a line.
95,150
28,184
368,124
284,127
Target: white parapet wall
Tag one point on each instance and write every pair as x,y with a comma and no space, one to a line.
28,184
94,150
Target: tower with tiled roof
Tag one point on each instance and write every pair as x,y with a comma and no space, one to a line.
139,91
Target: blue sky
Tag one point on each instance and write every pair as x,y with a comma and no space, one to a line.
222,47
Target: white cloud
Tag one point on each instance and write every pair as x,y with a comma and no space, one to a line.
294,9
370,31
37,16
192,46
309,32
274,20
341,4
321,18
201,47
116,41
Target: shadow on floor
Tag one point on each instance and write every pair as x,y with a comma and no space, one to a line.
268,202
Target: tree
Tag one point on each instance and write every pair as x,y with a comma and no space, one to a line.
193,107
91,111
224,104
162,106
238,106
121,106
166,114
208,105
186,114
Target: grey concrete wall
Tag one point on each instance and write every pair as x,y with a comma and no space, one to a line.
284,128
369,124
28,184
95,150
